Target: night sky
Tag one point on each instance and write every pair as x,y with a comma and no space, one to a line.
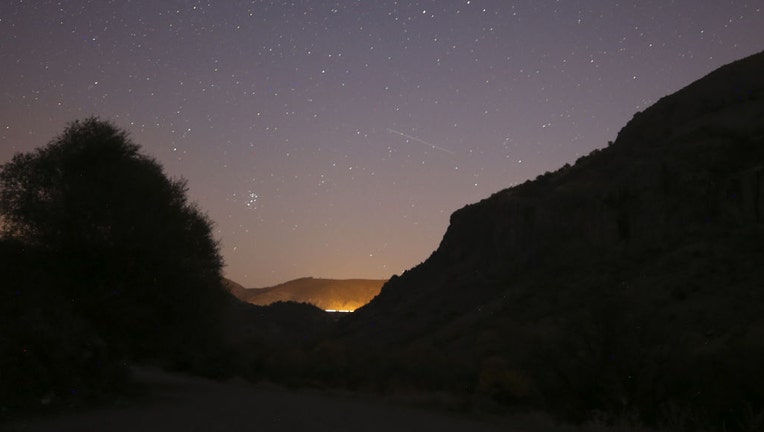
335,138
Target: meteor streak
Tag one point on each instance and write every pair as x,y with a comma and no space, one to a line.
421,141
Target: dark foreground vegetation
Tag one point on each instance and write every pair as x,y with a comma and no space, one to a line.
624,290
103,263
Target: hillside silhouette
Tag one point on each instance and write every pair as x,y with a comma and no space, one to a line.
326,294
104,263
629,284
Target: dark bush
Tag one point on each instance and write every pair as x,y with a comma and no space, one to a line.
104,259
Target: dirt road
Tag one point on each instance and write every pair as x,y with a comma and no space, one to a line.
180,403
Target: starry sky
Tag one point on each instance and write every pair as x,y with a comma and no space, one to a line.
335,138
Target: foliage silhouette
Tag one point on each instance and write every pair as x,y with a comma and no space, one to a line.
138,261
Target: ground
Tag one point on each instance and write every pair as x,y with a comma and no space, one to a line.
181,403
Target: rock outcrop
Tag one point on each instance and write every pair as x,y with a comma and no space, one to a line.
693,163
631,281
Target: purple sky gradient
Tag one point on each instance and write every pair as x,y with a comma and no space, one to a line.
335,138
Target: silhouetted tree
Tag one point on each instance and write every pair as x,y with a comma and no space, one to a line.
139,261
49,355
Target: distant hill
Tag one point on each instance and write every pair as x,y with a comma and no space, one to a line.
327,294
234,288
632,281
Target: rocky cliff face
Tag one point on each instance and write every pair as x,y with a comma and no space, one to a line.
691,165
631,281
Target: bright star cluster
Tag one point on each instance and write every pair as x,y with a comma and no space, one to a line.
335,138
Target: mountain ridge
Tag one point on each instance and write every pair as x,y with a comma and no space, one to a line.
327,294
630,281
597,204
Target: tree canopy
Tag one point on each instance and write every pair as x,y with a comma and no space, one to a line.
137,260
